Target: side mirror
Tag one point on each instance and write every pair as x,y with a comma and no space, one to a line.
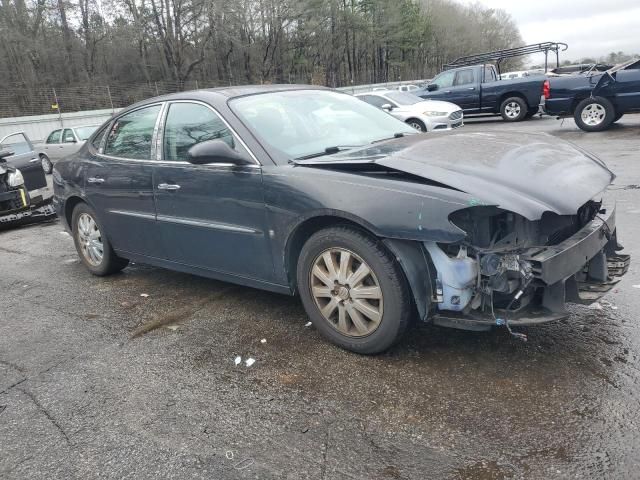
432,87
215,151
387,106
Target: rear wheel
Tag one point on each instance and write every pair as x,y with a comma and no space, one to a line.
353,290
594,114
92,244
47,166
514,109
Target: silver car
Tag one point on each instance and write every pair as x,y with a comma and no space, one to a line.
423,115
61,143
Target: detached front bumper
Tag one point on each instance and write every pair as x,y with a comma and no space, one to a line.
580,270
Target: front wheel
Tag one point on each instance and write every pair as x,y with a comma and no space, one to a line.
514,109
594,114
417,124
47,166
353,290
92,244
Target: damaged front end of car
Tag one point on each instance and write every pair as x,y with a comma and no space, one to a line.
15,202
509,270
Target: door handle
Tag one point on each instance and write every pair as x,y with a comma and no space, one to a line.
168,186
34,160
447,91
95,180
471,88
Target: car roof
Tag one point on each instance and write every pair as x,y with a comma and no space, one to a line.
222,93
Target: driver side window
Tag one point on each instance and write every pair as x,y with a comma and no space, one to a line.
187,125
444,80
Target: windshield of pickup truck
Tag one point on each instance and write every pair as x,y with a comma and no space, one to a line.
404,98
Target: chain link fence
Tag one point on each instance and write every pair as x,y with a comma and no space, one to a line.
18,101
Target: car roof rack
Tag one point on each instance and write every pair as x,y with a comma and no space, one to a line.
498,55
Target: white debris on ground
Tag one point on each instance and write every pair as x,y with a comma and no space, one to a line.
65,233
144,295
595,306
264,340
238,360
635,286
308,324
249,361
173,327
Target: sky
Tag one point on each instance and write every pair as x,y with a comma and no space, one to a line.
591,28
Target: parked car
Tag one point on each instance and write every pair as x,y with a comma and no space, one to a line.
596,100
423,115
478,90
17,202
408,88
63,142
24,158
298,189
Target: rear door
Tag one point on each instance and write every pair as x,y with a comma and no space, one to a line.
210,216
51,146
118,181
24,159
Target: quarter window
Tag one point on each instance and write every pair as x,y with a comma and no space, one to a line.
54,137
187,125
131,134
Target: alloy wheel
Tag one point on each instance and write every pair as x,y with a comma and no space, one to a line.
512,109
90,239
46,164
416,125
347,292
593,114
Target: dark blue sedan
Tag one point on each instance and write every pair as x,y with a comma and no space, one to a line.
296,189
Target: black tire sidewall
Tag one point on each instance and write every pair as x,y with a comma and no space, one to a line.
610,114
390,277
524,109
423,127
110,262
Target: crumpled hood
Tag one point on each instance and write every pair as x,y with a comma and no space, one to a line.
524,173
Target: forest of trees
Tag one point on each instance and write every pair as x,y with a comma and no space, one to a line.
78,43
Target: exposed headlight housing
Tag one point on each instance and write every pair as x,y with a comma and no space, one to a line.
15,179
435,114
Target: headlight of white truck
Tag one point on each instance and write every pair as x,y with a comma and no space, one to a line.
15,179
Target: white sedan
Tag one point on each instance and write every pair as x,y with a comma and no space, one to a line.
423,115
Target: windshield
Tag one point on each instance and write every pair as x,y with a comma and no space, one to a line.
404,98
84,133
299,123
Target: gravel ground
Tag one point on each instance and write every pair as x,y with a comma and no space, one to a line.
85,392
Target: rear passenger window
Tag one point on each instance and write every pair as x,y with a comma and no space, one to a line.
131,134
54,137
188,124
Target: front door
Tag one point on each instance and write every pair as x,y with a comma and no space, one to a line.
52,146
69,143
25,160
210,216
118,182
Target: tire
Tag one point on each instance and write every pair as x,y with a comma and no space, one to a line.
106,263
514,109
47,166
417,124
353,330
594,114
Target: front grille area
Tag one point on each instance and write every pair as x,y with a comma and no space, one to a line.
10,201
455,115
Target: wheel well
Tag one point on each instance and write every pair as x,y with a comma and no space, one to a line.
512,94
413,119
303,232
69,205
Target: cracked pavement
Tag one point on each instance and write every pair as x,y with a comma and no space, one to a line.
97,381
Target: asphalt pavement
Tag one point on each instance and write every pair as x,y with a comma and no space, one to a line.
134,375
